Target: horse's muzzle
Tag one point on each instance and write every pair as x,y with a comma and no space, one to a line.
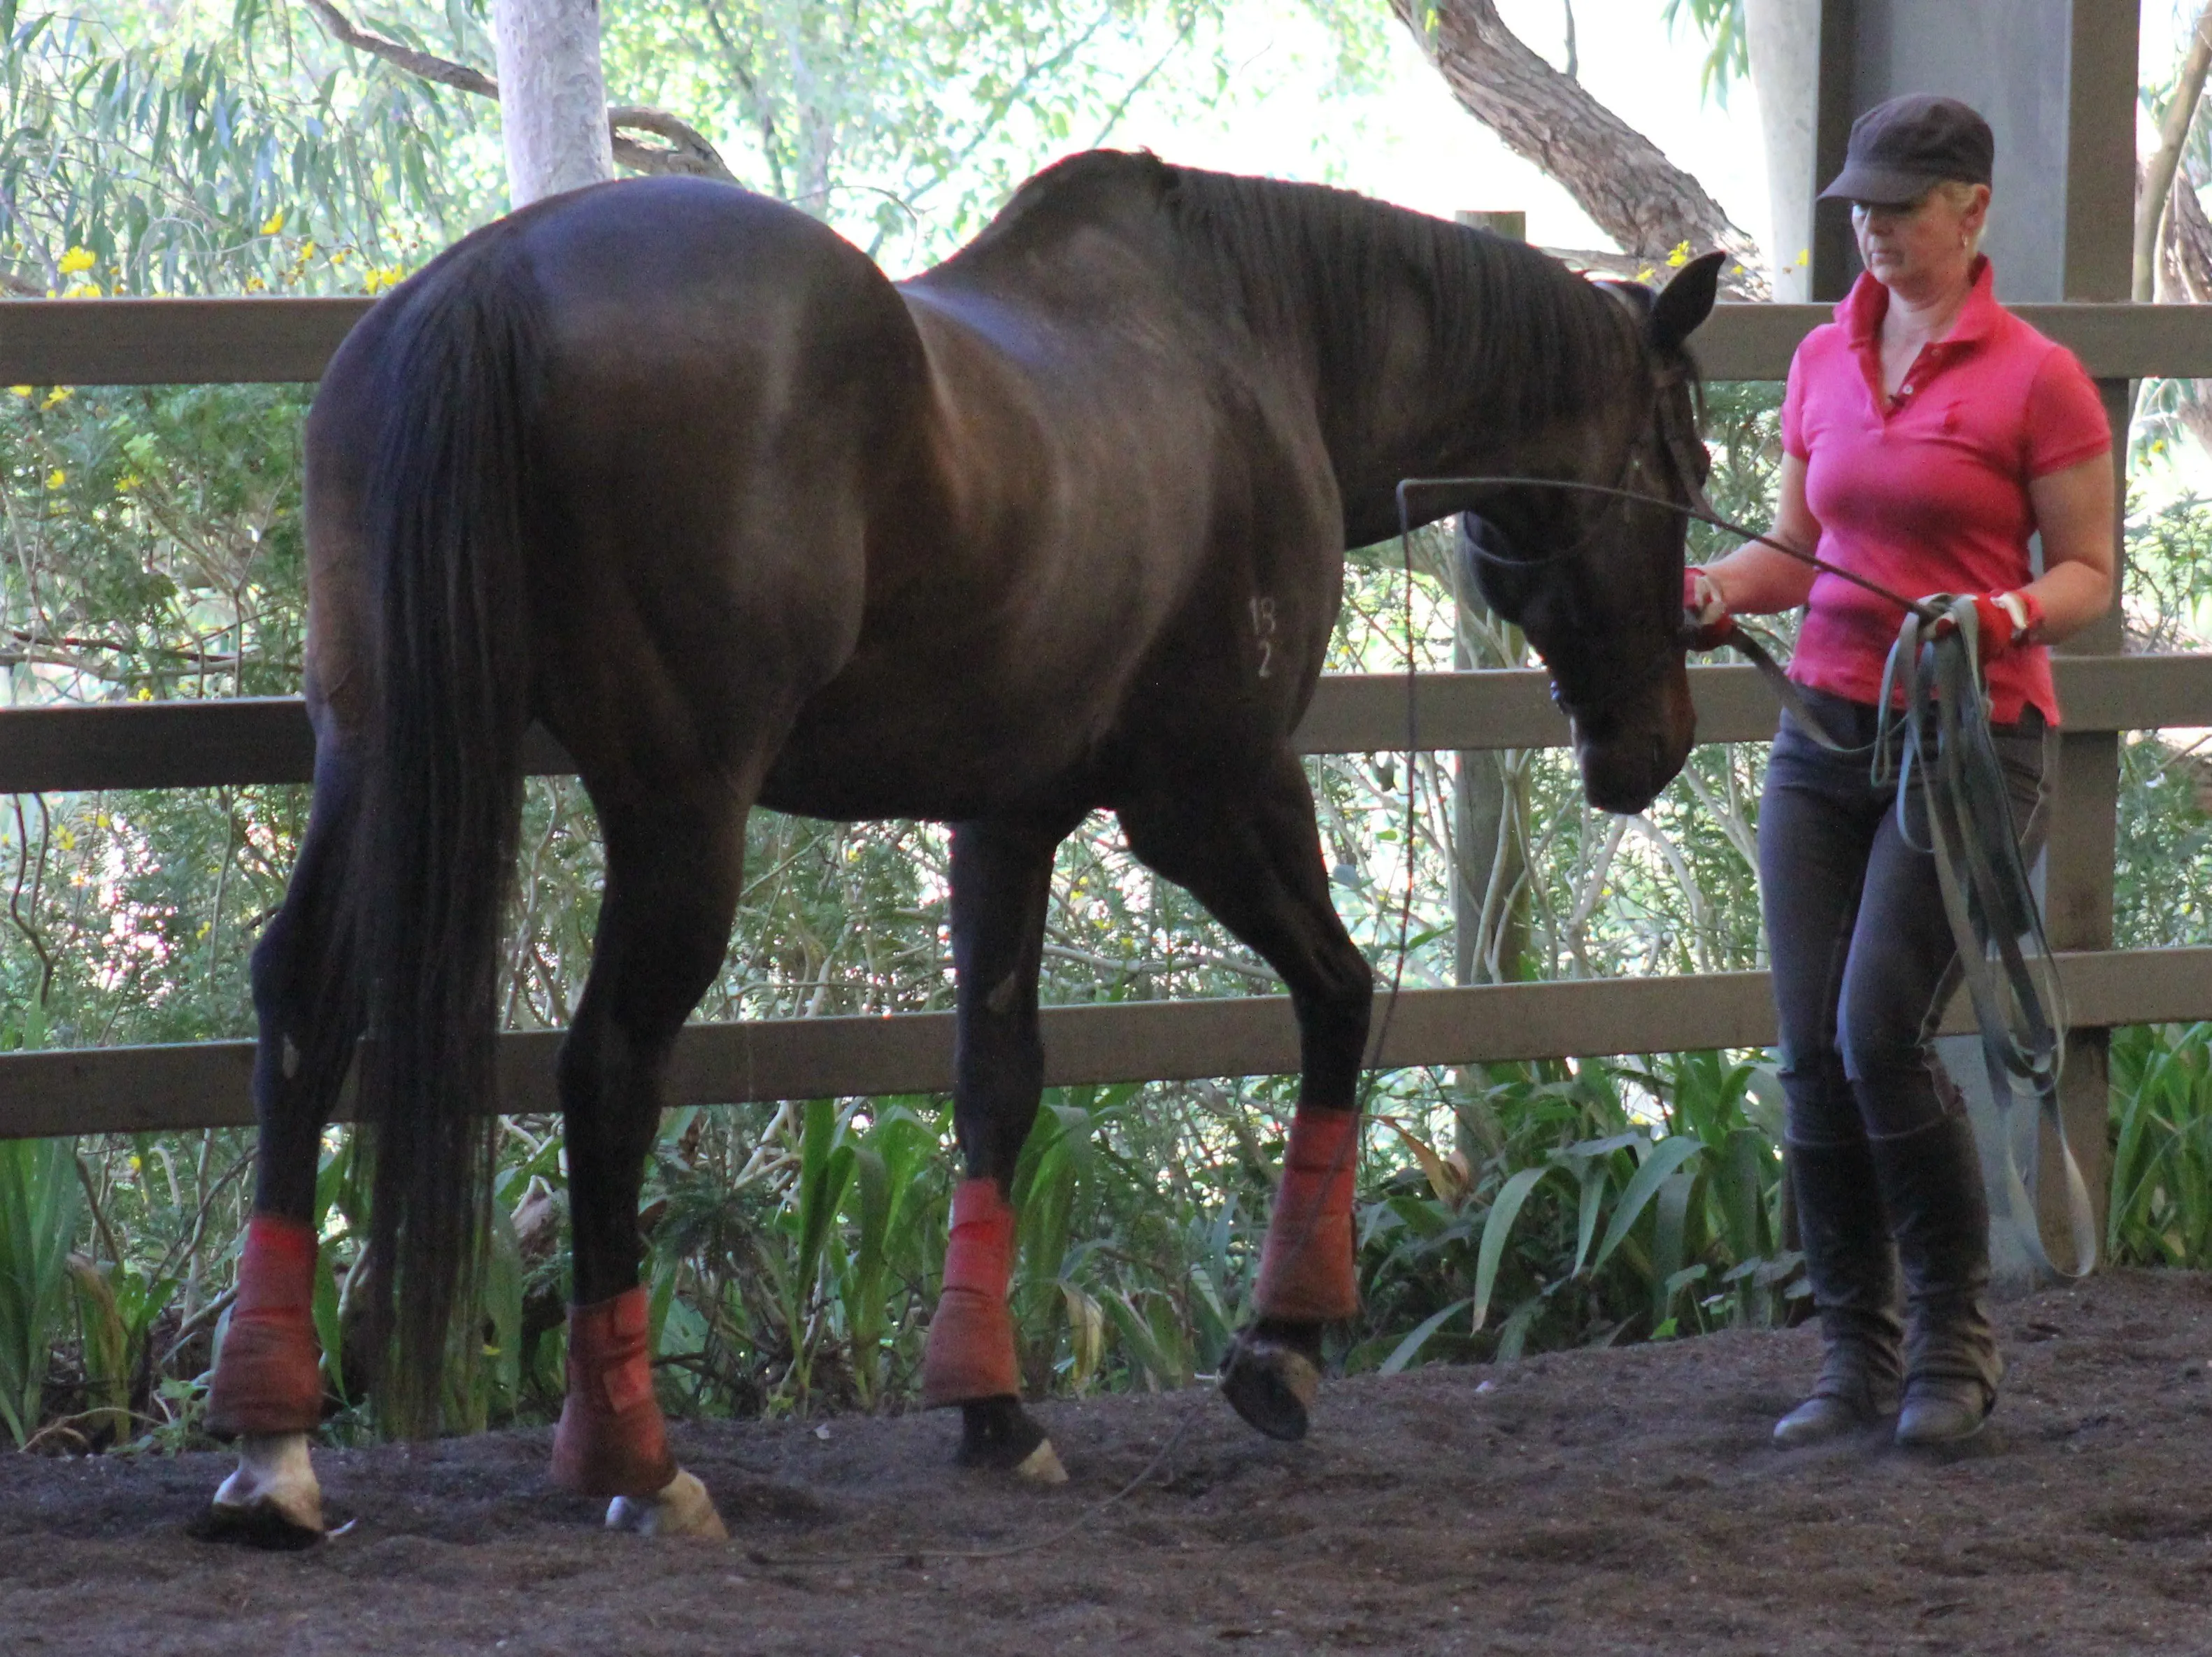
1627,757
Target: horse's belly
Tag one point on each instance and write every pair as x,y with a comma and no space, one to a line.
916,765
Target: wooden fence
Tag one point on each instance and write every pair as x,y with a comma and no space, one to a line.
257,740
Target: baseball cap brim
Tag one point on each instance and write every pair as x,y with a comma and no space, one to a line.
1871,181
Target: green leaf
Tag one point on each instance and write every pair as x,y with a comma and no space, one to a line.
1504,1210
1409,1348
1665,1158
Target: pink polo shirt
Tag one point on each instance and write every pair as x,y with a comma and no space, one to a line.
1928,494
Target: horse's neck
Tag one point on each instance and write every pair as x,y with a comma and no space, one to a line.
1415,414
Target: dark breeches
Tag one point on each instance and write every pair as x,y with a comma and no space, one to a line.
1862,954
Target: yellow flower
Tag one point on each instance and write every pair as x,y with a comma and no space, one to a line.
273,223
1646,274
377,277
59,395
307,252
77,258
21,391
56,477
127,482
145,693
256,285
1681,256
81,290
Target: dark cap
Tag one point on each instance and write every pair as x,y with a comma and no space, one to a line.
1901,148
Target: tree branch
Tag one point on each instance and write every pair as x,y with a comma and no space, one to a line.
340,29
1616,175
687,150
2158,171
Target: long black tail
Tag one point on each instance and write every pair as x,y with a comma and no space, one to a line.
443,791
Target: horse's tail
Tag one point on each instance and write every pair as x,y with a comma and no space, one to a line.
445,500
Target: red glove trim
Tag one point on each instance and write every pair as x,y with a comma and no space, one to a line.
270,1378
1306,1272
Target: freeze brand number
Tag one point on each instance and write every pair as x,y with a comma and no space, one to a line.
1263,631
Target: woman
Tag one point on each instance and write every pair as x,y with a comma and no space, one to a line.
1927,433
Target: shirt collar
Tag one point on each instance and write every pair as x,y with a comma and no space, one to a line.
1862,309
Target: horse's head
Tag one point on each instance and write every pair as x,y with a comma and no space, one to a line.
1595,581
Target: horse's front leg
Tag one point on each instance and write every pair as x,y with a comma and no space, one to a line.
674,857
1001,884
268,1387
1249,850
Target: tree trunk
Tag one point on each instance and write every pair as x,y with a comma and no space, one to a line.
552,96
1782,39
1633,192
2157,178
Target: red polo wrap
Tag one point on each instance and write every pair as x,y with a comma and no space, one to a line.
1305,1270
270,1378
971,1354
612,1440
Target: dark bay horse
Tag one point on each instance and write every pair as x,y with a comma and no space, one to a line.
1058,525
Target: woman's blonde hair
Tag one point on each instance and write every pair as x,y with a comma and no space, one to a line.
1960,195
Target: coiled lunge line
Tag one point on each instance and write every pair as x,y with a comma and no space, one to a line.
1941,732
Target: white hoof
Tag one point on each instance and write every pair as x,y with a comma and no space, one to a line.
1042,1466
680,1508
274,1489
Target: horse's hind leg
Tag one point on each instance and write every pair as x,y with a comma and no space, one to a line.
268,1389
1001,884
674,859
1251,853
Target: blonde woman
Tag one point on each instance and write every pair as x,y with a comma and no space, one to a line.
1927,433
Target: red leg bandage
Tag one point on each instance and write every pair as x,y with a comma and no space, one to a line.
971,1339
612,1440
270,1377
1305,1270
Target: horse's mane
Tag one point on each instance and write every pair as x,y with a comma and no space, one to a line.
1308,261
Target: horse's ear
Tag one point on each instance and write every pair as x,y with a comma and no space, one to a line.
1685,301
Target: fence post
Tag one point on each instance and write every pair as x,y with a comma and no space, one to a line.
2079,878
1489,911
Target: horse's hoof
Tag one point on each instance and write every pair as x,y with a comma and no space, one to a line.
1271,1384
1042,1466
272,1501
997,1435
680,1508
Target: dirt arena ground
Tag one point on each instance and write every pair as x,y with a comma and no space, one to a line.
1592,1502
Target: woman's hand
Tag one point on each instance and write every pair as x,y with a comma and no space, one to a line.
1705,611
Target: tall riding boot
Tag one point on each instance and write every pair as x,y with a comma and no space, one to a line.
1854,1279
1931,1182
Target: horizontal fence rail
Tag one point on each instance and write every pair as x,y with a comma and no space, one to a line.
159,342
127,342
149,1089
235,741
